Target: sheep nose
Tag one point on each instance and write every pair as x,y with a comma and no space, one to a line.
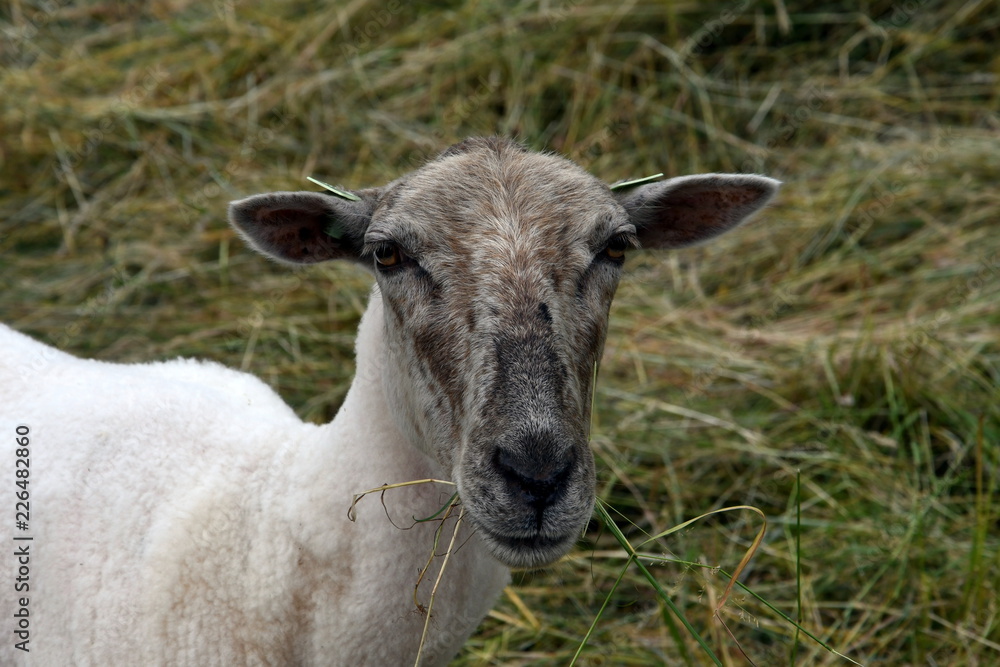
537,476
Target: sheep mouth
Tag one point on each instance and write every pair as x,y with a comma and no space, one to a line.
531,550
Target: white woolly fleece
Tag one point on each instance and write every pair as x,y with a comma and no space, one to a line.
182,514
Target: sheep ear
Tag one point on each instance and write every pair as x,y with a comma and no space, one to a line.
687,210
304,227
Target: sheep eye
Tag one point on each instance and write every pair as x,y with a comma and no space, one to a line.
388,255
616,247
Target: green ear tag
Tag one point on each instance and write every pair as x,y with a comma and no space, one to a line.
639,181
350,196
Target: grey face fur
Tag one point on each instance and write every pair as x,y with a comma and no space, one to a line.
496,267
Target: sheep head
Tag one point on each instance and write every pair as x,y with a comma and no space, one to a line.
496,268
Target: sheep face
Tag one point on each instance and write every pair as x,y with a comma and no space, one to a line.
496,267
496,279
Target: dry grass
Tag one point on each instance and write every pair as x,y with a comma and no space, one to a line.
850,336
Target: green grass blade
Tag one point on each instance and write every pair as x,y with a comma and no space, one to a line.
623,541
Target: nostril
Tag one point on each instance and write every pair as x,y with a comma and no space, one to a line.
538,480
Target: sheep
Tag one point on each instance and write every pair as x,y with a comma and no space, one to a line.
180,512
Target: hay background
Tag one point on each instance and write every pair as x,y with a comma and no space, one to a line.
851,333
